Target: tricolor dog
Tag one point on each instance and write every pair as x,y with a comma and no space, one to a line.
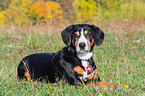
74,63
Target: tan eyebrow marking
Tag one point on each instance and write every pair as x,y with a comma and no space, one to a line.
85,32
78,33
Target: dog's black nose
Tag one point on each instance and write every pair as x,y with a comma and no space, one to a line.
82,45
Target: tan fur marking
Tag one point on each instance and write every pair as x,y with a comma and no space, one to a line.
78,33
92,42
28,76
85,32
94,75
89,44
106,85
73,42
79,70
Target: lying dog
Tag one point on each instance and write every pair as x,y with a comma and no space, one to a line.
74,63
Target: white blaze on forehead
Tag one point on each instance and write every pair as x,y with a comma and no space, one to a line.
82,37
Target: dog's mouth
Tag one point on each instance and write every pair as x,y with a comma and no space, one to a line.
83,51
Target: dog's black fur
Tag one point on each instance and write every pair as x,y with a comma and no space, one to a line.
62,64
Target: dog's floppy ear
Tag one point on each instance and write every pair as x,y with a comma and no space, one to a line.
66,34
98,35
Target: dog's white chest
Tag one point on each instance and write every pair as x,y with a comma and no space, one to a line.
85,74
84,60
85,63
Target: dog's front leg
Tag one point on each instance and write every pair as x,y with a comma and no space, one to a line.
69,75
70,78
100,84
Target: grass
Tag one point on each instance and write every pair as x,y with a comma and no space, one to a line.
120,59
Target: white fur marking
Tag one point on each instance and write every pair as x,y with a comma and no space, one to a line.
82,39
83,57
85,76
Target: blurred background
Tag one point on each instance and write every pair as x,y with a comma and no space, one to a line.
31,12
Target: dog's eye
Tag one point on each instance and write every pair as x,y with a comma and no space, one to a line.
75,35
88,35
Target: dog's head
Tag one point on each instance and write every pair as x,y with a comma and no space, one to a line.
83,37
